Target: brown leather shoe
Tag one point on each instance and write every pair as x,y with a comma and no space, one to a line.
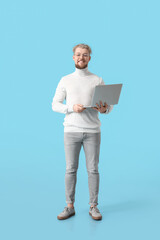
95,214
66,213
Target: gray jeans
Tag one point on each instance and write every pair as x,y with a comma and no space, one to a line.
91,145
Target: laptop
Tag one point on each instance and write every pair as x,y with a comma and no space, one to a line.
106,93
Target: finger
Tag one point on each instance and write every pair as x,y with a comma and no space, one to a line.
81,108
97,105
101,103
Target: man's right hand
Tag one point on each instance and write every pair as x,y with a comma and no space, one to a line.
78,108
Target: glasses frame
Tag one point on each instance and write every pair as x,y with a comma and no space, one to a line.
84,55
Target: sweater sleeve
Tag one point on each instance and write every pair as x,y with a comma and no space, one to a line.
59,97
110,107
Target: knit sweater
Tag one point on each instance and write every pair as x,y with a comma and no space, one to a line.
77,88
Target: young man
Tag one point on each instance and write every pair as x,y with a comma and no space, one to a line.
81,127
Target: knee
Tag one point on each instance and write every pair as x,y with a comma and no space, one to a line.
71,170
93,171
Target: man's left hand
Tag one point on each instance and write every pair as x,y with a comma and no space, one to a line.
101,108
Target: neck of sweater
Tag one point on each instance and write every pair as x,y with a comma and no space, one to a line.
82,72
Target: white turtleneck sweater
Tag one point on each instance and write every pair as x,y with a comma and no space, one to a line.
77,88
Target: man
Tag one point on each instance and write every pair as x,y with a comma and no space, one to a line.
81,127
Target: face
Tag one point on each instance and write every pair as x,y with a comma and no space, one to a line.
81,58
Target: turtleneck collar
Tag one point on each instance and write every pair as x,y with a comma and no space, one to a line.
82,72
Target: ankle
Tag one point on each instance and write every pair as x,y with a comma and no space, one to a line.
93,205
70,205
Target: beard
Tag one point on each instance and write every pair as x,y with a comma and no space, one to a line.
79,67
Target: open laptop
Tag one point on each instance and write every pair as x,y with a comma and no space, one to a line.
106,93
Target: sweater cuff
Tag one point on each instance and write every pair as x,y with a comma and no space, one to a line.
107,110
70,109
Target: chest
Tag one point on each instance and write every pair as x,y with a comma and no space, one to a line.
82,86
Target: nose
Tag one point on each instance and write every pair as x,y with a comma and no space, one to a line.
81,56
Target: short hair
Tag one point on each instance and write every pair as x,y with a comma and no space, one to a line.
82,45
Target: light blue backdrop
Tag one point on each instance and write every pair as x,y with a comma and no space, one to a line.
36,44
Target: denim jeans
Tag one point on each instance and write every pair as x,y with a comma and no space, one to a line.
91,145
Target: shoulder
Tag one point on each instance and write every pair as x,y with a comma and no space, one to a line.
65,80
95,75
66,77
98,79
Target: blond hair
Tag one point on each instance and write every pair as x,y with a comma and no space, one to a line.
82,45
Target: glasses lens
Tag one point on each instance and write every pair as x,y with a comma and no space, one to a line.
84,55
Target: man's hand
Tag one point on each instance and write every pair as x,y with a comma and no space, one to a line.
101,108
78,108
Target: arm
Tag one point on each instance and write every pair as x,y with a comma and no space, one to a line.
59,97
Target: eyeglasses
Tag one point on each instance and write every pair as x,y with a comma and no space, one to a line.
84,55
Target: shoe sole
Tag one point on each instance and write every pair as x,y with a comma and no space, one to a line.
63,218
95,218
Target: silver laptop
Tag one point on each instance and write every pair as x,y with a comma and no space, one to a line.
106,93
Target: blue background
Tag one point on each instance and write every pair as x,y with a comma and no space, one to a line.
36,44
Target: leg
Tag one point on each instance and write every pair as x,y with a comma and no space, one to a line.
91,145
72,143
